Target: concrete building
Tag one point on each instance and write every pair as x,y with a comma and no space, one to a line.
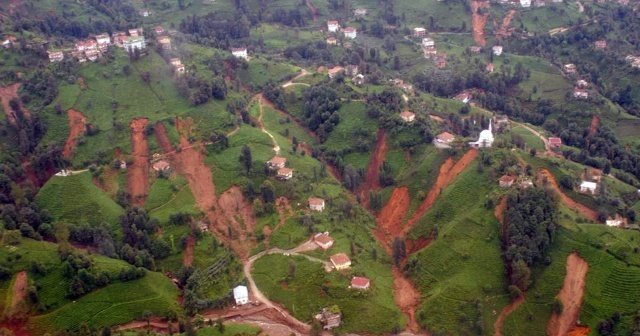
241,295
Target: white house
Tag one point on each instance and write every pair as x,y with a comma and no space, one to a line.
618,221
104,40
316,204
428,42
445,138
323,240
485,139
133,43
240,53
419,32
580,93
350,32
588,187
241,295
360,12
333,26
497,50
525,3
284,174
340,261
277,162
55,56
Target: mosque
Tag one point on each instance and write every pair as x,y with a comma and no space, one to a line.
485,140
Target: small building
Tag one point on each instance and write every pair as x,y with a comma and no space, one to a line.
489,68
323,240
464,97
580,93
600,44
277,162
55,56
441,62
104,41
592,174
329,317
161,166
360,12
429,52
582,84
407,116
122,164
526,183
340,261
588,187
178,67
350,32
241,295
119,38
475,49
159,30
506,181
316,204
570,68
332,41
240,53
85,45
333,26
539,3
135,32
164,42
525,3
501,121
145,13
555,142
9,41
497,50
618,221
428,42
361,283
92,55
284,174
445,138
333,72
358,79
134,42
419,32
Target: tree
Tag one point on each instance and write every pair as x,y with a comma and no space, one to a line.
268,192
246,159
399,250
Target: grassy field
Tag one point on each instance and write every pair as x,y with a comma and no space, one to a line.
530,139
75,199
170,196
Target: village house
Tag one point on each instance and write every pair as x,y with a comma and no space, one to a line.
526,183
316,204
525,3
361,283
145,13
119,38
445,138
464,97
284,174
55,56
164,42
241,295
475,49
428,42
588,187
501,121
122,164
159,30
360,12
92,55
600,44
85,45
329,317
135,32
580,93
555,142
489,68
104,41
161,166
340,261
323,240
333,72
333,26
407,116
419,32
441,61
350,32
506,181
633,60
401,84
240,53
332,41
539,3
358,79
277,162
582,84
178,67
133,43
497,50
570,68
592,174
618,221
9,41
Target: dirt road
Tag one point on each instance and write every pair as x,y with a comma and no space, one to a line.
77,128
18,296
187,254
510,308
479,16
138,172
303,72
571,295
372,176
276,147
8,93
582,210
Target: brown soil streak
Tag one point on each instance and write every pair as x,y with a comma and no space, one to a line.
8,93
478,21
372,177
77,127
138,173
571,296
187,256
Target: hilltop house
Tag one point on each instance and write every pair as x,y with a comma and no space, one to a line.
323,240
618,221
333,26
407,116
588,187
555,142
240,53
580,93
329,317
428,42
419,32
350,32
161,166
600,44
360,12
445,138
316,204
277,162
485,139
506,181
582,84
134,42
340,261
497,50
164,42
241,295
55,56
570,68
178,67
525,3
284,174
360,283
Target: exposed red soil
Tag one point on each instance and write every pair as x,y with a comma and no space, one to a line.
8,93
17,326
478,21
571,296
19,295
414,246
499,213
391,216
583,210
580,331
510,308
372,176
77,127
593,128
504,30
312,9
406,297
138,172
187,254
448,173
161,136
237,214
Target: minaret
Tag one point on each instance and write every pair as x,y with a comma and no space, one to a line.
490,126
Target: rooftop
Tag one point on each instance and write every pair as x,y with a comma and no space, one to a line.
340,259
